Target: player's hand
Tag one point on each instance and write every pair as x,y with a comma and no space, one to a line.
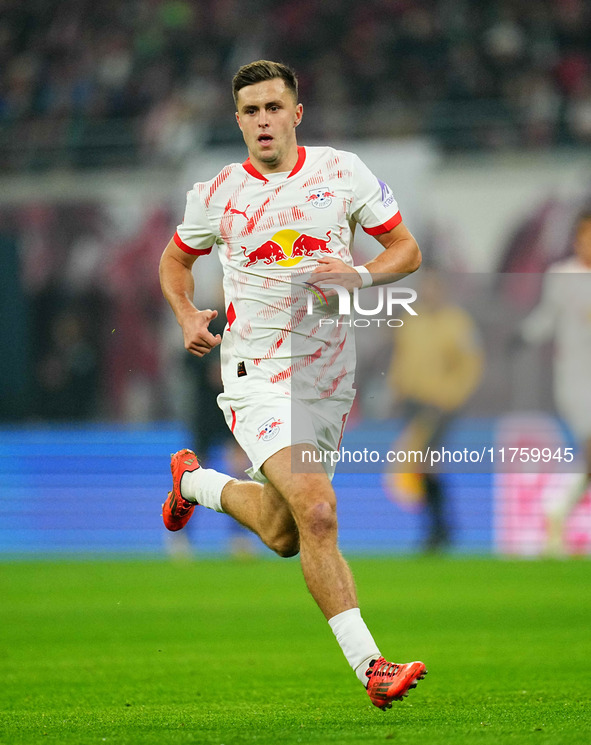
196,334
334,271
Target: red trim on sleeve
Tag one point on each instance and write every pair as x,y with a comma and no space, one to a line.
391,223
187,249
230,315
233,419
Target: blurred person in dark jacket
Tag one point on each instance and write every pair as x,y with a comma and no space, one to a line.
436,366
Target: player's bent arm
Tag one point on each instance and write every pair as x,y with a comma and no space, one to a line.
401,256
178,286
176,280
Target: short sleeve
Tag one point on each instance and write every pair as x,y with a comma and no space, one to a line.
374,206
194,235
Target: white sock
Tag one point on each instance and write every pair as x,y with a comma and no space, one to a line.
204,486
355,640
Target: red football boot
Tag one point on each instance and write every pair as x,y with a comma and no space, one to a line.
177,511
391,682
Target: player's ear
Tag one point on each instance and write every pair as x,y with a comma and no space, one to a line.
298,114
238,120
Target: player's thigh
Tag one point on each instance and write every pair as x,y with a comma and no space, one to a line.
276,513
329,417
266,422
301,491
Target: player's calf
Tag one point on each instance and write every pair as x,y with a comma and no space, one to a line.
286,544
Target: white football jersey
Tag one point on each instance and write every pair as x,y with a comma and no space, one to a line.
269,231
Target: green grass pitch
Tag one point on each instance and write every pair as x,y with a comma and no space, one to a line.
227,652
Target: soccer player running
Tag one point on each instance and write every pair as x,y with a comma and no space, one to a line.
565,313
287,213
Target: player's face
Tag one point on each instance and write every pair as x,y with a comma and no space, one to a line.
268,115
583,241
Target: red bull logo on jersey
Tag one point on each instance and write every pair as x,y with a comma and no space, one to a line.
287,248
321,198
269,429
268,253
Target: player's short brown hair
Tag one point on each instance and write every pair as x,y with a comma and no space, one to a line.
257,72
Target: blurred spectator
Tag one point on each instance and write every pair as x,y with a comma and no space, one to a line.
64,308
436,366
135,370
81,295
15,367
564,313
67,372
114,82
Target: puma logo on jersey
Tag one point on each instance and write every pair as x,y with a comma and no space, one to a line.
240,212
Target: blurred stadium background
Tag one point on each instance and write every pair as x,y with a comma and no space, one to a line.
477,114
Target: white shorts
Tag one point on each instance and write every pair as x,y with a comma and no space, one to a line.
265,418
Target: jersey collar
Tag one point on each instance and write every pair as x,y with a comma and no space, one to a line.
249,168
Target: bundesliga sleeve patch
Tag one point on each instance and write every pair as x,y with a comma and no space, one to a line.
387,195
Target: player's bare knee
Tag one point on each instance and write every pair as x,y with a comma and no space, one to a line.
319,520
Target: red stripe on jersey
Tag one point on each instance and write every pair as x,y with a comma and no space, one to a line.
269,282
298,365
276,344
334,385
230,315
292,324
283,305
233,419
232,204
314,180
187,249
326,368
219,180
344,421
388,225
287,217
253,221
246,330
334,161
267,224
251,224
